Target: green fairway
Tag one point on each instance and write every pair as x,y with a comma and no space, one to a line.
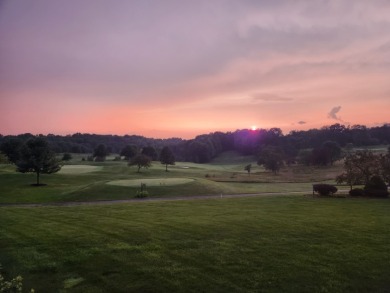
151,182
79,169
112,180
263,244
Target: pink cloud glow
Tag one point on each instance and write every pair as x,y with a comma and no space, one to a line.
182,69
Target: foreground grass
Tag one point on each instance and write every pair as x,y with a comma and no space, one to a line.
265,244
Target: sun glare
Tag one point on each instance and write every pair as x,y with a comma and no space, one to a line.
254,127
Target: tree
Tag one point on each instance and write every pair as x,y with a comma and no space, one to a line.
141,161
129,151
271,158
376,187
11,148
320,156
150,152
384,161
359,168
167,157
100,153
66,157
334,150
37,157
248,168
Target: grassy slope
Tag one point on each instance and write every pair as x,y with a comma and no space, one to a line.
271,244
224,175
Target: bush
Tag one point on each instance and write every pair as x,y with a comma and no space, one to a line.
141,194
356,192
66,157
324,189
376,187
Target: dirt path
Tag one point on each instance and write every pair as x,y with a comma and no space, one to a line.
139,200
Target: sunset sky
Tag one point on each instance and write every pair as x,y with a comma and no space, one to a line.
177,68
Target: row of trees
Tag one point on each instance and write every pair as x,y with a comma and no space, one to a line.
35,155
307,146
143,160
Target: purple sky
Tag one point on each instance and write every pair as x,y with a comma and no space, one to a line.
182,68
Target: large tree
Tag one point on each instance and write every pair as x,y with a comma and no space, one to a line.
141,161
11,148
100,153
384,161
167,157
150,152
37,157
271,158
129,151
359,168
334,150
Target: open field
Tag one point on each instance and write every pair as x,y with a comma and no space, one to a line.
90,181
281,243
263,244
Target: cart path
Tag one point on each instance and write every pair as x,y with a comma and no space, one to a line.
155,199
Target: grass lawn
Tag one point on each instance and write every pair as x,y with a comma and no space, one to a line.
262,244
91,181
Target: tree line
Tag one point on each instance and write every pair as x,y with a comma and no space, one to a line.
312,147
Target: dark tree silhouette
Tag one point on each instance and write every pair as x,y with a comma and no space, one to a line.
271,158
37,157
248,168
167,157
150,152
141,161
100,153
129,151
11,148
334,150
66,157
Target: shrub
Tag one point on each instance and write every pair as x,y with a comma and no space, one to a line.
66,157
117,158
356,192
4,159
14,285
141,194
376,187
324,189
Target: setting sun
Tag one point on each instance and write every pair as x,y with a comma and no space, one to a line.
254,127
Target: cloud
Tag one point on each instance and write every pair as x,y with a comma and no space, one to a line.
269,97
302,122
333,113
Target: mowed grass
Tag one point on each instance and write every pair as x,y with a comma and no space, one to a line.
151,182
262,244
88,181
